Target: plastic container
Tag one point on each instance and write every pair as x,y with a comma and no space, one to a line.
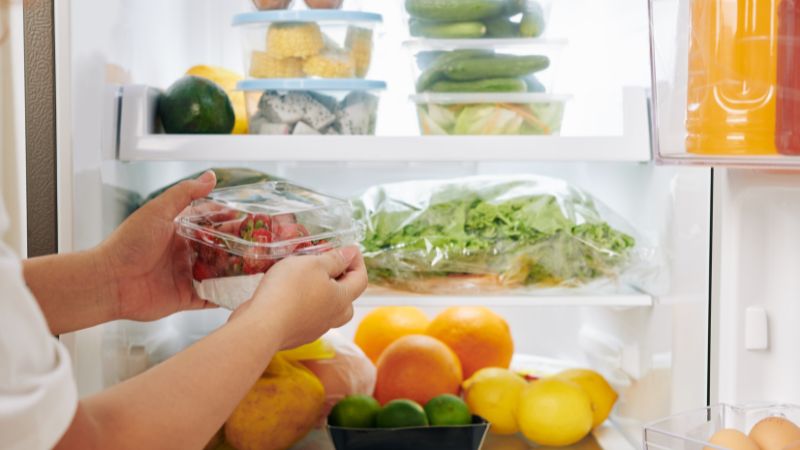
490,114
312,107
787,133
238,233
466,437
307,43
488,19
693,430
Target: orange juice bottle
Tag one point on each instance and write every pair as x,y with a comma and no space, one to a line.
732,77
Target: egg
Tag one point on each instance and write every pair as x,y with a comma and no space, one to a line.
732,440
775,433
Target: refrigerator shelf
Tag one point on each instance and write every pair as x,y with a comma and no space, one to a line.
768,161
137,141
378,297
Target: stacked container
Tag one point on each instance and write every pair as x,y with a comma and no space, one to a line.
307,68
484,68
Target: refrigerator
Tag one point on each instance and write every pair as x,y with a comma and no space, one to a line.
719,327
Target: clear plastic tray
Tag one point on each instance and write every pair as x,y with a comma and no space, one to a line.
693,430
312,107
315,43
490,114
238,233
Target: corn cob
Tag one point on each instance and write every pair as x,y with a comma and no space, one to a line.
359,43
294,40
263,65
330,65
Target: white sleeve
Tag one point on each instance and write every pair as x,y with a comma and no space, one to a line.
38,396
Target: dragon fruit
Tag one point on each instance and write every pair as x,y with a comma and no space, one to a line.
302,128
357,114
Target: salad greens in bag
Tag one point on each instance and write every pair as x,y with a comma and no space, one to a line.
484,233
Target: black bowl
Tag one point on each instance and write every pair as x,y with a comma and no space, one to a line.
461,437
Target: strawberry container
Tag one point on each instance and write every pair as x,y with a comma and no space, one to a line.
317,43
312,107
236,234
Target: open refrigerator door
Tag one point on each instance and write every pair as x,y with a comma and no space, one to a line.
580,129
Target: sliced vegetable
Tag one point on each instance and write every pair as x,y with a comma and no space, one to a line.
486,85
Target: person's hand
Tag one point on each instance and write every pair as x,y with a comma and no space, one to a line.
308,295
149,262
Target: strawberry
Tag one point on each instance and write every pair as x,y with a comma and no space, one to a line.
253,223
262,235
256,260
235,266
202,271
290,231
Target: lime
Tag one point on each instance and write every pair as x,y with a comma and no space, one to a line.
355,411
402,413
446,410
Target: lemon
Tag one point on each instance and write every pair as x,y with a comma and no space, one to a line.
555,412
602,395
493,393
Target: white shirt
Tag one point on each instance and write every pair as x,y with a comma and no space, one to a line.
38,396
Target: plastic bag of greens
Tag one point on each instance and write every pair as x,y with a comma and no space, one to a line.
480,234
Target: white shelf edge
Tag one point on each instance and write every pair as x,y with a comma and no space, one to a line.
138,143
611,300
608,436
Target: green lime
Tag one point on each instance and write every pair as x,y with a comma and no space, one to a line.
355,411
446,410
402,413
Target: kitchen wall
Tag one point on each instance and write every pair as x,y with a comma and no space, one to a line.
12,126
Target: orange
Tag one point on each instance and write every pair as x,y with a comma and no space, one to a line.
419,368
384,325
480,337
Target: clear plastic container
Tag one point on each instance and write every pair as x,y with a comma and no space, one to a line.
315,43
490,114
236,234
693,430
484,19
312,107
482,66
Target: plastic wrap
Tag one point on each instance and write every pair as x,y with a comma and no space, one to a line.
486,233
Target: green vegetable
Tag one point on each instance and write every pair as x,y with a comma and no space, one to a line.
496,66
487,119
514,7
533,83
454,10
194,105
449,30
525,231
501,27
434,72
485,85
532,23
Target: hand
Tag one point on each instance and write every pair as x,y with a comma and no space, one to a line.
150,264
308,295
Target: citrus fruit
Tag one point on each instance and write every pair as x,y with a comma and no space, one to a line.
384,325
401,413
355,411
602,395
417,367
493,393
555,412
480,337
447,409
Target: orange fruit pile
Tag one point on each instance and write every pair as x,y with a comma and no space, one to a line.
384,325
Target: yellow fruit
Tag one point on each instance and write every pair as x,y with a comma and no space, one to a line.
294,40
602,395
227,80
330,65
359,43
555,412
280,409
494,394
262,65
384,325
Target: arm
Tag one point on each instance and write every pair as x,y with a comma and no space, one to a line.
183,401
141,272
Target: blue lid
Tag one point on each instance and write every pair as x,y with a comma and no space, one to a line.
311,15
311,84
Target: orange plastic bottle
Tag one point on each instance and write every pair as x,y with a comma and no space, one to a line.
787,134
732,77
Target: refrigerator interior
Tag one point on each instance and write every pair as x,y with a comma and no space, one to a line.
652,345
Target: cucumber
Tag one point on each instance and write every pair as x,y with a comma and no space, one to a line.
514,7
454,10
447,30
497,66
485,85
501,27
532,23
434,72
533,83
